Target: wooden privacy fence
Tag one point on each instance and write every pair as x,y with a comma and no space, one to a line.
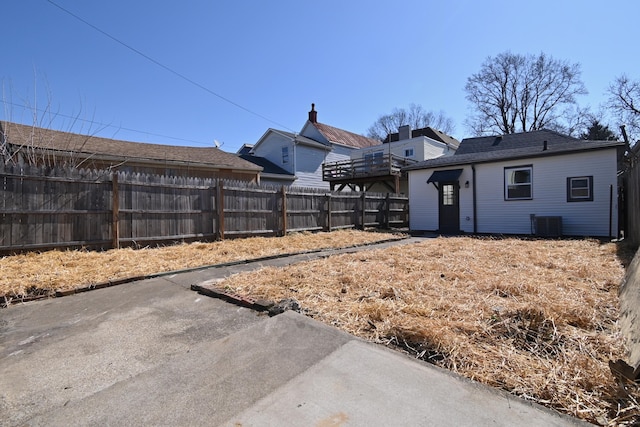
632,201
42,209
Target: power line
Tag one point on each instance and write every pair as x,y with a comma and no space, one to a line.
106,125
172,71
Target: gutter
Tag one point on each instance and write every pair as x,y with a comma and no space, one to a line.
279,176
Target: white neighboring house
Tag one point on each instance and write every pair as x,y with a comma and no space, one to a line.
377,168
296,159
539,182
416,146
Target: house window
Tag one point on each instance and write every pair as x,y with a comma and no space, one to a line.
580,189
518,182
285,155
447,194
408,152
372,159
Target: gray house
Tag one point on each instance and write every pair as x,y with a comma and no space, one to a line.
540,182
297,158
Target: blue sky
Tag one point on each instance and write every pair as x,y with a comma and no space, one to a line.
356,60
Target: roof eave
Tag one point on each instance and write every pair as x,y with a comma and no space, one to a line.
84,156
547,153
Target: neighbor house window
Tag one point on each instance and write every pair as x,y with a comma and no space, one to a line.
285,154
408,152
373,159
518,183
580,189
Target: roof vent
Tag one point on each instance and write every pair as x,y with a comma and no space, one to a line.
544,146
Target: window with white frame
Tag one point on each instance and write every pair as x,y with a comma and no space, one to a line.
518,183
408,152
285,155
580,189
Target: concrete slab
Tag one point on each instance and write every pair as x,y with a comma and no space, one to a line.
212,382
54,352
364,385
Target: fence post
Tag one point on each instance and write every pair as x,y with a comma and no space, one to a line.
115,217
364,210
329,212
220,209
388,212
284,211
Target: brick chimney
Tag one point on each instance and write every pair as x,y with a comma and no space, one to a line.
313,114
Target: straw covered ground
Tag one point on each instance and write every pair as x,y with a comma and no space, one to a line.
537,318
43,273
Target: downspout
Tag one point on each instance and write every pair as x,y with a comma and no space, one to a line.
610,211
475,209
295,142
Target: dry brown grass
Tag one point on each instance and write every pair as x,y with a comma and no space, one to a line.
43,273
537,318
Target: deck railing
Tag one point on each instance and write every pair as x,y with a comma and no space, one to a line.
387,165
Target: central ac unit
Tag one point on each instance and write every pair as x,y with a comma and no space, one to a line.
548,226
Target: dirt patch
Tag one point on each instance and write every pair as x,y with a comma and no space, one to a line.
41,274
537,318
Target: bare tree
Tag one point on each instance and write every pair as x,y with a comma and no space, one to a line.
415,116
36,146
576,121
519,93
624,104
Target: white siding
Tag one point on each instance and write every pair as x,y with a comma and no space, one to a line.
431,149
549,188
309,167
311,132
423,149
309,162
549,176
466,199
423,200
271,149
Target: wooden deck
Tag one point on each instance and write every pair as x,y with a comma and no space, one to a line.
362,172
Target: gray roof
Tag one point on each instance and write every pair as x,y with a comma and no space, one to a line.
520,152
429,132
267,165
513,140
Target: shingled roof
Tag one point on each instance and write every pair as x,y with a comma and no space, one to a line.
513,141
524,151
429,132
19,135
267,165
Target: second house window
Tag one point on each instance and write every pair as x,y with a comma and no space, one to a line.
518,182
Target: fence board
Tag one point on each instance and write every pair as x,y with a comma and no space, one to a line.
632,201
44,208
